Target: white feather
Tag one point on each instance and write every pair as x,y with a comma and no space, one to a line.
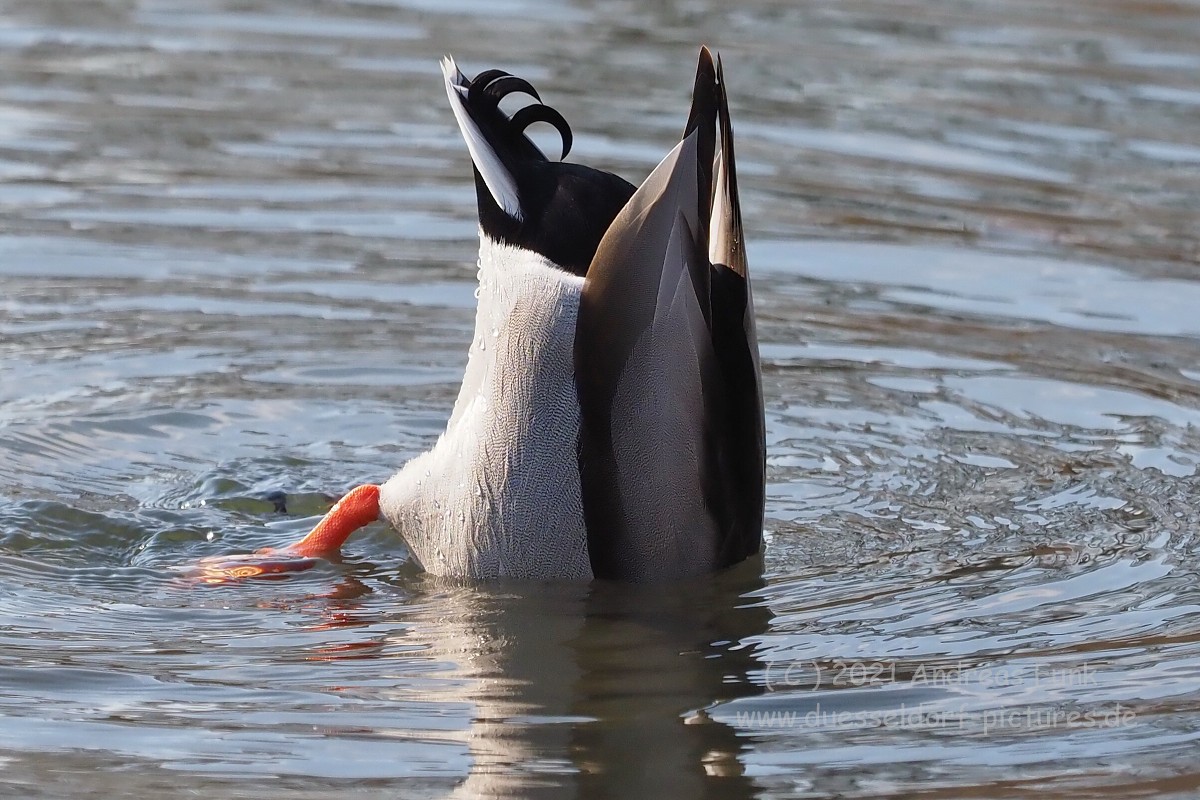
498,495
497,178
720,225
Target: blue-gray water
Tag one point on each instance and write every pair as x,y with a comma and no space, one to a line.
236,257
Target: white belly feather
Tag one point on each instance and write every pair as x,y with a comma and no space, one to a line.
498,495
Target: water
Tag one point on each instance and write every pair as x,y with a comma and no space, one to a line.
237,253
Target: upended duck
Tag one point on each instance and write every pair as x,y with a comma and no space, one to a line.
610,420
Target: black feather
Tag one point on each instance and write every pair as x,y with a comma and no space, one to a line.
565,208
508,84
543,113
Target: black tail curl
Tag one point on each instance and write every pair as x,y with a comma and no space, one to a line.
557,209
489,87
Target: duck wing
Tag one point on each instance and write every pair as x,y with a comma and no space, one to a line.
672,444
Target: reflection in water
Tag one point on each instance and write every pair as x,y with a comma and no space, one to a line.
598,690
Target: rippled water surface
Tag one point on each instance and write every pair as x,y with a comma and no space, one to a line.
236,258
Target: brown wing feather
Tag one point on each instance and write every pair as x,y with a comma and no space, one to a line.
671,444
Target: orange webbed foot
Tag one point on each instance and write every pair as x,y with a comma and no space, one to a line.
359,507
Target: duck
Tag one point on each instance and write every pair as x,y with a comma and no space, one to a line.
610,421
